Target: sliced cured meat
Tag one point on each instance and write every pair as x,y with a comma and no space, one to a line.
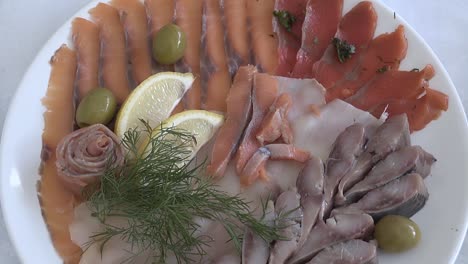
113,53
347,147
384,53
84,155
289,39
276,123
57,202
395,165
392,135
215,75
160,13
263,40
391,87
239,105
133,16
350,252
356,28
289,213
85,35
310,187
320,25
337,229
189,19
237,34
254,248
404,196
264,93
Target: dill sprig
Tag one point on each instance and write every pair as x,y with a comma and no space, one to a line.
160,194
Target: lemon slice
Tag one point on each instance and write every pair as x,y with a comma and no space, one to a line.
153,101
200,124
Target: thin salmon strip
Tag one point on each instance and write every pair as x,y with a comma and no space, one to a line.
356,28
160,13
391,87
265,91
56,201
275,125
289,40
215,67
385,53
420,111
320,25
237,34
113,54
239,107
264,40
133,16
85,35
189,19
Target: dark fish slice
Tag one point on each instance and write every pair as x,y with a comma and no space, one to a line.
254,248
310,186
395,165
350,252
390,136
347,147
404,196
339,228
287,208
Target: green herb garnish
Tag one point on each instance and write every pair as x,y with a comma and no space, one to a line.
160,196
285,19
383,69
344,50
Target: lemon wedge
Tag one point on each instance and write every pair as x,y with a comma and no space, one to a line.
152,101
200,124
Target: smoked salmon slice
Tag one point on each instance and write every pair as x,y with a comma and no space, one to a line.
215,75
384,53
133,16
189,19
289,39
56,201
320,25
276,124
265,90
356,28
239,107
85,36
237,34
113,54
160,13
263,39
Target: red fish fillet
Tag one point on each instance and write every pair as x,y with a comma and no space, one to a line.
263,39
384,53
85,35
189,19
56,201
391,86
239,107
264,93
113,54
276,123
357,28
133,16
237,35
289,41
160,13
319,27
215,74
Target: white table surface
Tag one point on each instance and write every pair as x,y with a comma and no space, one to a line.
26,25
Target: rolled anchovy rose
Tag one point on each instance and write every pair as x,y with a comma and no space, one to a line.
84,155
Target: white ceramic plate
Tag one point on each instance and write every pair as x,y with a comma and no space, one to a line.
443,221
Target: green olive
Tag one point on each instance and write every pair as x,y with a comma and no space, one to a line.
169,44
97,107
395,233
